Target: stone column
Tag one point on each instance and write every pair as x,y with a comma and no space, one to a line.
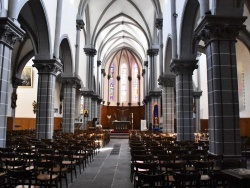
168,101
149,111
69,90
47,70
58,28
197,95
145,106
90,53
184,97
94,106
102,81
219,35
152,53
98,78
130,89
9,34
79,26
158,25
87,106
146,83
118,78
99,101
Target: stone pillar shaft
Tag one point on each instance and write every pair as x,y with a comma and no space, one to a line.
219,35
79,26
47,70
184,98
167,82
152,53
69,100
197,95
90,53
9,34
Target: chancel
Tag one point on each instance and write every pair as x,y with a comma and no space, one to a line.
160,74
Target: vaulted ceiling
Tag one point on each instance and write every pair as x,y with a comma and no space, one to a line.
111,25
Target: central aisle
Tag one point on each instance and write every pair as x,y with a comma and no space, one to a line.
110,168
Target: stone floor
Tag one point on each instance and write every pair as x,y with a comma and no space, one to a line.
109,169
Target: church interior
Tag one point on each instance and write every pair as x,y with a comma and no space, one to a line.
100,77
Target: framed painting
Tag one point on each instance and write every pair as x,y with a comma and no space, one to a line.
26,76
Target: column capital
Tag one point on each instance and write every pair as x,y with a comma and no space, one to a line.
90,51
79,24
70,81
99,62
152,52
87,93
159,23
179,66
156,93
48,65
166,80
197,94
219,28
9,32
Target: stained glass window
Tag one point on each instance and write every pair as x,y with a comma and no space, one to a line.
111,83
135,83
124,81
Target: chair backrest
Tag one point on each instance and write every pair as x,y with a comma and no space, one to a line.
147,180
142,158
43,167
15,165
204,167
149,168
183,180
172,167
15,178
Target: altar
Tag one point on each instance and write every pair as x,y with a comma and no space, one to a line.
121,125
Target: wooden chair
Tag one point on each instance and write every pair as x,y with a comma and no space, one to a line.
205,169
186,180
58,168
43,171
69,162
20,179
163,159
147,180
219,180
139,159
146,168
170,169
79,156
15,165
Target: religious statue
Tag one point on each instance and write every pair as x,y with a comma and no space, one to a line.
13,100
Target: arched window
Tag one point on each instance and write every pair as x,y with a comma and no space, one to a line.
123,85
135,83
124,82
111,83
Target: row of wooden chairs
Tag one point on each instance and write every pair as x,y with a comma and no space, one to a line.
150,163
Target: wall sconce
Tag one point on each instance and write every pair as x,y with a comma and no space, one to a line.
34,104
